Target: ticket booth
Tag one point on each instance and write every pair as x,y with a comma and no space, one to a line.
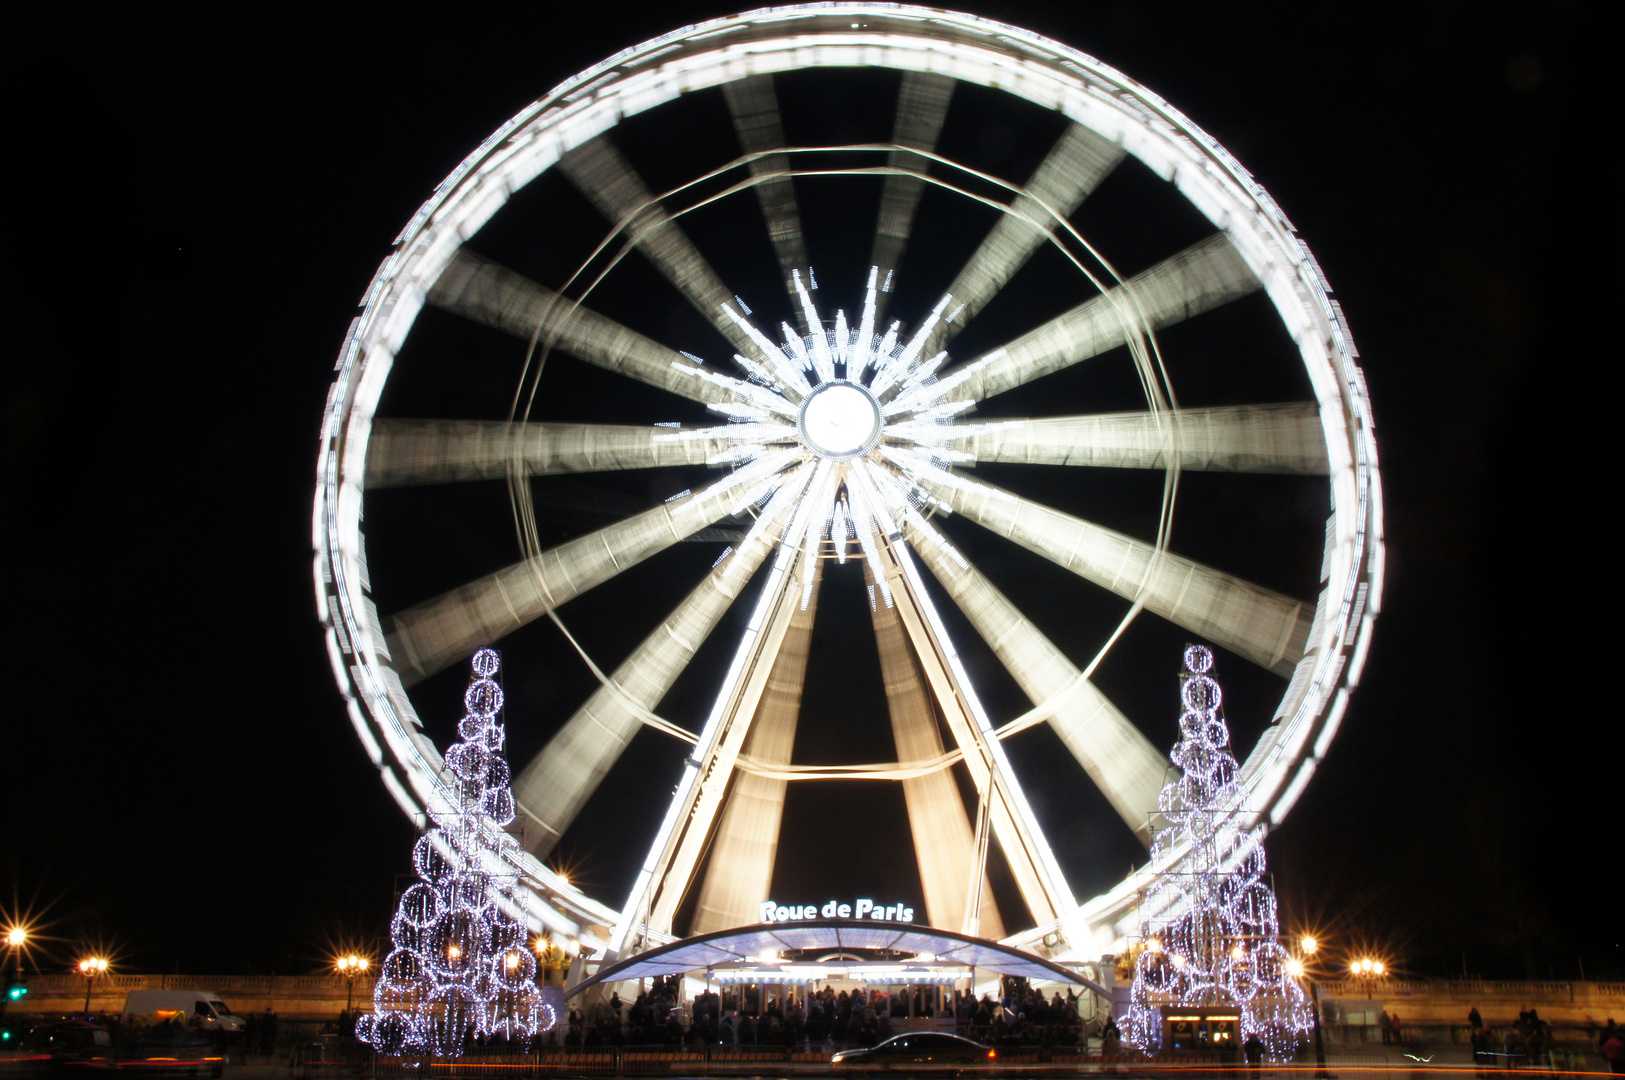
1205,1030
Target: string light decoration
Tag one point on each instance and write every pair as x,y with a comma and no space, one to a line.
461,960
1210,924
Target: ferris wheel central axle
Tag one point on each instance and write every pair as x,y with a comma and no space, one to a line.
840,420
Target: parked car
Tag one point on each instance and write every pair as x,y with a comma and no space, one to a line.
918,1051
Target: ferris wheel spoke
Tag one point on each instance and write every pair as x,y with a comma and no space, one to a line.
405,452
755,109
681,840
605,176
1259,624
922,105
424,639
1121,761
1032,864
1074,167
486,292
1283,438
1201,277
944,845
740,873
552,789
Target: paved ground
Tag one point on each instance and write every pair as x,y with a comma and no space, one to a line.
1414,1062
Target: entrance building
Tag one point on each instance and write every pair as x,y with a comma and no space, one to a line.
784,961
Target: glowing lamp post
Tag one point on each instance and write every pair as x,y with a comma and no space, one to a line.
17,941
90,968
1368,971
1299,967
350,967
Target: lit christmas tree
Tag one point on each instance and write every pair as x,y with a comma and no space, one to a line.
1211,932
460,960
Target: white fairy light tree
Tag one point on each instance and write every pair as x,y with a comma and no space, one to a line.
460,960
1211,930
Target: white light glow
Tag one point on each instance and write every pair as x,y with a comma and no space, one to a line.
840,420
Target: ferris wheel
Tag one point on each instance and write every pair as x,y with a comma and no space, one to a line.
843,437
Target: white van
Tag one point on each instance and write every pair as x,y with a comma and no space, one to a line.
201,1009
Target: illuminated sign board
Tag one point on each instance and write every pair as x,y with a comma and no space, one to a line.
773,911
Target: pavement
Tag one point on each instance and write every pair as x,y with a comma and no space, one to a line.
1412,1061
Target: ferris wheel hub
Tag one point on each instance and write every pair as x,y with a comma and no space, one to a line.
840,420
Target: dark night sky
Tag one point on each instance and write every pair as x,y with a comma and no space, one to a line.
198,196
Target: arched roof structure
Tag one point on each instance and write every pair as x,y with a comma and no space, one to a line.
744,944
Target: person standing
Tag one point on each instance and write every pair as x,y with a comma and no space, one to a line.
1386,1023
1613,1051
1475,1021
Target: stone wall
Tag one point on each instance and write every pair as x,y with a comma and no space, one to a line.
1440,1002
291,997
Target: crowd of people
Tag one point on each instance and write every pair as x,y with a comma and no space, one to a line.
744,1016
1529,1041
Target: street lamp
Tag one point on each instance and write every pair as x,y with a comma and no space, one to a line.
1368,971
91,967
1300,968
17,936
350,967
17,942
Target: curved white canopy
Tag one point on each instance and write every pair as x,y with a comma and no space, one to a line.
744,943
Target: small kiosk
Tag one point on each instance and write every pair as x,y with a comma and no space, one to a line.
1201,1029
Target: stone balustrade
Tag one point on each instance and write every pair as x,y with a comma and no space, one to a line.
291,997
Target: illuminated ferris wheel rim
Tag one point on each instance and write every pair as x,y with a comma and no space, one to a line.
908,39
